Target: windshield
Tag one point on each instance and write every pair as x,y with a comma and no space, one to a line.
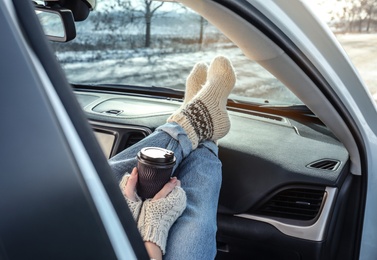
149,43
355,26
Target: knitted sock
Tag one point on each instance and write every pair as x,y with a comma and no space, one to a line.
195,81
205,116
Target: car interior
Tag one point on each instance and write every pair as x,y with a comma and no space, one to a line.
291,185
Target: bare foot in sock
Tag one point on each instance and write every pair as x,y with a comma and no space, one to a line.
205,116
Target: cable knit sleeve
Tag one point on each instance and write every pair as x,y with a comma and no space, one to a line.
156,217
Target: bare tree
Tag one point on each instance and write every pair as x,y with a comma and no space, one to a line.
370,8
201,31
149,10
135,11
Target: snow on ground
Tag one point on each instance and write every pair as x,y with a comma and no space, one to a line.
362,50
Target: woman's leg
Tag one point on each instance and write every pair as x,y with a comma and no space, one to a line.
193,235
203,116
200,121
169,136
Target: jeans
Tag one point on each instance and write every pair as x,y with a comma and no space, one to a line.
193,235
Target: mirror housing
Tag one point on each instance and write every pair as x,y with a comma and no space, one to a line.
80,8
57,23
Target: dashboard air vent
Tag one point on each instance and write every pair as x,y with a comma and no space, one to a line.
326,164
133,138
296,204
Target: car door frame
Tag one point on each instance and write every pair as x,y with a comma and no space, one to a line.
31,73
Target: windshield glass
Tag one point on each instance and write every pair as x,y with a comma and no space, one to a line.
354,24
149,43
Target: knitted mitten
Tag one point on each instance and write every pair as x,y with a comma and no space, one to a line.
195,81
157,216
134,206
205,116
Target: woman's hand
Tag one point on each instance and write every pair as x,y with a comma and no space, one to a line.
128,187
159,214
153,249
154,216
168,187
129,190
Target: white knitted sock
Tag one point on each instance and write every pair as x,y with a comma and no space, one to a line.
134,206
157,216
195,81
205,116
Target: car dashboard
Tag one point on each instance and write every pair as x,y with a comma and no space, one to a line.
281,174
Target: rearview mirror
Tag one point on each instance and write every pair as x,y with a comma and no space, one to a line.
58,24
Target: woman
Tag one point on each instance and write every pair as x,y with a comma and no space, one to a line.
191,133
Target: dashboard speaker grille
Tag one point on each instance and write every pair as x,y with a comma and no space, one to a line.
297,204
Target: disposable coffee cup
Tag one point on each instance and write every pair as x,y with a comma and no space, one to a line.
155,166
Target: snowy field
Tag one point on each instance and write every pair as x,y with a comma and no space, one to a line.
362,49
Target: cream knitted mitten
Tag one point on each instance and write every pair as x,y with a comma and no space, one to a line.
134,206
195,81
157,216
205,116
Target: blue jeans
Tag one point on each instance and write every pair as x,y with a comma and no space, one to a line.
193,235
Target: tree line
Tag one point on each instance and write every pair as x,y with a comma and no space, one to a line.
354,16
138,12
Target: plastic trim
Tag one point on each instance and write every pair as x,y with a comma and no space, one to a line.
314,232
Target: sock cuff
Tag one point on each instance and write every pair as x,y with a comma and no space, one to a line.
182,119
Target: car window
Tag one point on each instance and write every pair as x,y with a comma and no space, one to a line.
119,44
354,25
